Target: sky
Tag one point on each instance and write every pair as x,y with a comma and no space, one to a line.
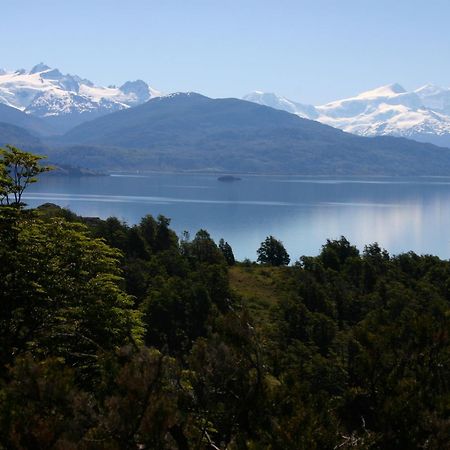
312,51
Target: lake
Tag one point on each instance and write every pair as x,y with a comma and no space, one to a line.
401,214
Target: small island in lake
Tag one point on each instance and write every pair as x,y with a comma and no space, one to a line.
228,178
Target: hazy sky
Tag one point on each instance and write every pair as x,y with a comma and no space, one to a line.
308,50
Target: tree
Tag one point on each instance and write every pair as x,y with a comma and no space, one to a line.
272,252
227,252
18,169
335,253
61,294
204,250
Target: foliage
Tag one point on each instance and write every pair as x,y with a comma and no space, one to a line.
117,336
18,169
227,252
272,252
61,294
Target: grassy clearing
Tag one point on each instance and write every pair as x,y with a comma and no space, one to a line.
261,287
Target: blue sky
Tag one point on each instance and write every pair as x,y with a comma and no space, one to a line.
310,51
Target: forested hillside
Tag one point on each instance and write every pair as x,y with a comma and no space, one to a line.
191,132
119,336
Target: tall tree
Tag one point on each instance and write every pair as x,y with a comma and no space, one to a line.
272,252
18,169
61,294
227,252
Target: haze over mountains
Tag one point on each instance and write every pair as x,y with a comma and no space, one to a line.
422,114
134,127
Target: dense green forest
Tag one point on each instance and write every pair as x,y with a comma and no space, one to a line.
115,336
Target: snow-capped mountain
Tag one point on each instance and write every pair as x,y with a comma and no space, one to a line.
422,114
67,100
277,102
64,101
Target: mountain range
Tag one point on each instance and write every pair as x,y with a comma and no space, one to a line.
64,101
134,127
191,132
422,114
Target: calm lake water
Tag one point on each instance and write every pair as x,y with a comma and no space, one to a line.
400,214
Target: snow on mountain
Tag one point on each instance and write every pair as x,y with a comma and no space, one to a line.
58,103
50,94
435,98
65,100
389,90
277,102
423,114
368,102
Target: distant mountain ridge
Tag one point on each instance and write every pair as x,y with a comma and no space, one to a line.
19,137
32,124
134,127
191,132
65,100
422,114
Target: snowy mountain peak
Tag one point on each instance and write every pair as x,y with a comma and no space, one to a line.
268,98
429,89
384,91
181,95
52,74
423,114
278,102
49,93
132,86
41,67
139,90
435,98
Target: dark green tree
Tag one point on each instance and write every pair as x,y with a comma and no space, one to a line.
203,249
227,252
335,252
273,253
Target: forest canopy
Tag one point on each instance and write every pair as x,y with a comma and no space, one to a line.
118,336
